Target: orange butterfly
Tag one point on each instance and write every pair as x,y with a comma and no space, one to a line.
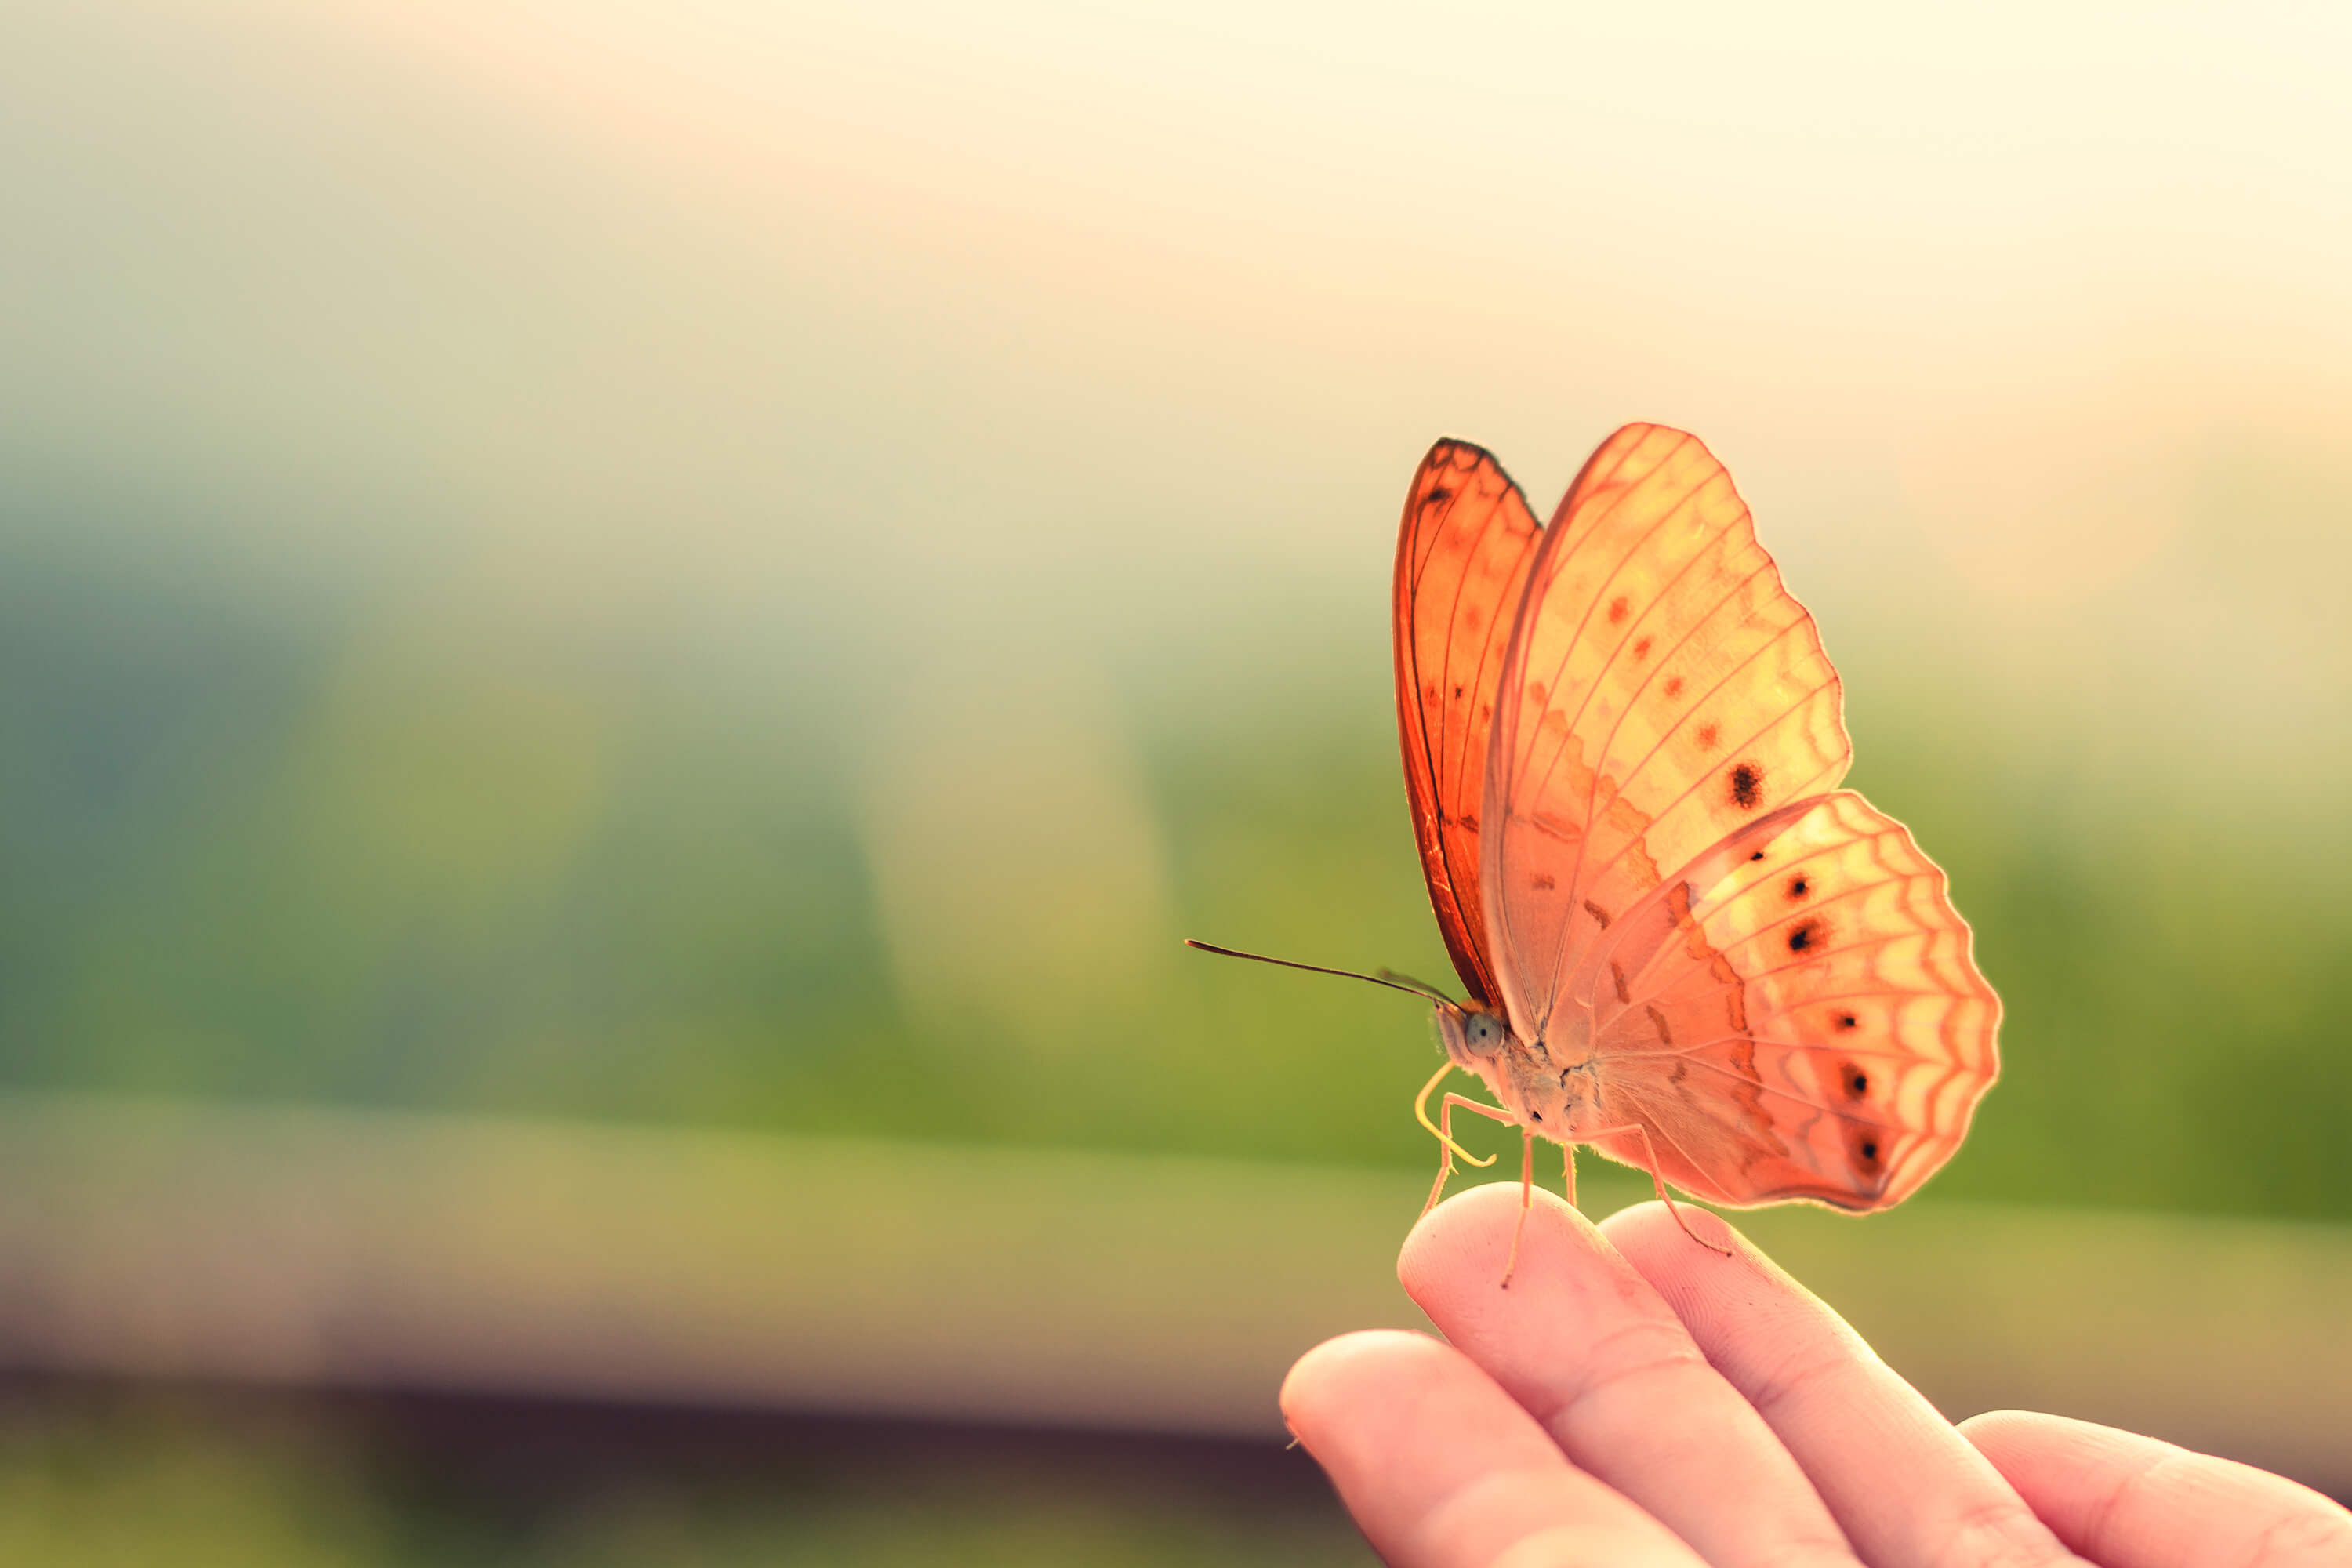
1684,944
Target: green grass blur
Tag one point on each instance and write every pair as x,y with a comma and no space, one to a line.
494,872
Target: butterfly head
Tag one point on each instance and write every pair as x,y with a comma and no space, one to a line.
1536,1083
1474,1037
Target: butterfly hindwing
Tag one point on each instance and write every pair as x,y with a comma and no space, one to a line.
1462,563
1796,1015
1660,689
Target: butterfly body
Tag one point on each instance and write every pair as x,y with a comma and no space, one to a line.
1547,1085
1683,944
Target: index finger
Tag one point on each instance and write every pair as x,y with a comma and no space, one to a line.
1601,1362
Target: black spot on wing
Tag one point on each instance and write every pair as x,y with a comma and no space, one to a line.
1866,1150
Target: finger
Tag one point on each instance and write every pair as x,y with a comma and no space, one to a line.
1905,1487
1596,1357
1440,1467
2129,1501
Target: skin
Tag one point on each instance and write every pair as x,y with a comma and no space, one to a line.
1634,1400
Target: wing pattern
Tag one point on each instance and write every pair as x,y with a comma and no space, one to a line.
1796,1016
1660,689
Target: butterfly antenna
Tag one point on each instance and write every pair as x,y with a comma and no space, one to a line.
1393,981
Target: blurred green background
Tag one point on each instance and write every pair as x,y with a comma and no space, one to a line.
723,565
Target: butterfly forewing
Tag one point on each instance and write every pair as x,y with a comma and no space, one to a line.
1462,563
1796,1015
1660,689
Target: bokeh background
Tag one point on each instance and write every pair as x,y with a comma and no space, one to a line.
632,576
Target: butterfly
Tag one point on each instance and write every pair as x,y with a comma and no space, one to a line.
1683,945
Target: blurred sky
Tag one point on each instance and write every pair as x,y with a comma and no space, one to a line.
937,377
848,310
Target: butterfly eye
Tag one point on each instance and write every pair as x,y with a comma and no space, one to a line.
1483,1032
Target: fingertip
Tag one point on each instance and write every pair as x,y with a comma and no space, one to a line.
1327,1375
2002,1431
1468,1236
1710,1274
1646,1226
1465,1207
2022,1442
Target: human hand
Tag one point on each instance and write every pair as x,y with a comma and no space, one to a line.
1636,1400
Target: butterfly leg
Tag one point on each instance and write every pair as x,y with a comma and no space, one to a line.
1657,1180
1437,1188
1568,1152
1446,1147
1450,1148
1445,1135
1526,1200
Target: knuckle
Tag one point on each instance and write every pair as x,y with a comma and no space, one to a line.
1996,1532
1799,1372
1630,1353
